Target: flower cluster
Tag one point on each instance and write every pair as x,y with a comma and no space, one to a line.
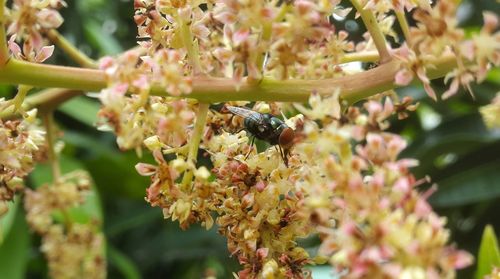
344,182
138,116
437,34
72,249
491,113
28,20
21,145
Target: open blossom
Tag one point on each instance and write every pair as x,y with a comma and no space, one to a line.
28,52
29,18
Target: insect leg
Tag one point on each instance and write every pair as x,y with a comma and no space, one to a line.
251,148
283,155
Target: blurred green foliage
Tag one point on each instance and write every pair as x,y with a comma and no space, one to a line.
448,137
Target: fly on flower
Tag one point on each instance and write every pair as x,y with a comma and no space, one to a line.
267,127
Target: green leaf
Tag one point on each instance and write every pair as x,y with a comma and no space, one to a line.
7,221
14,252
122,263
494,76
81,108
469,186
95,35
448,139
489,255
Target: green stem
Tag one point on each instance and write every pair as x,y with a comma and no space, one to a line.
194,144
74,53
45,100
48,119
211,90
4,52
403,23
41,75
363,56
266,36
372,25
189,44
22,91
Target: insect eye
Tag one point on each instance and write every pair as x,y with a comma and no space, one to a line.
286,138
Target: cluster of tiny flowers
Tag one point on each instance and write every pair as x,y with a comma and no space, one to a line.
73,250
27,20
344,181
138,116
21,145
436,34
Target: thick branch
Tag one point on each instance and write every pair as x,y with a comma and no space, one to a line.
206,89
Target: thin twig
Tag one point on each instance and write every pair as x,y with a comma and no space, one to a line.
372,25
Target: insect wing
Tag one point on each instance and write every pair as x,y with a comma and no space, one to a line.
246,113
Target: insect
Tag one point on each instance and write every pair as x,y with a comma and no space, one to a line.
267,127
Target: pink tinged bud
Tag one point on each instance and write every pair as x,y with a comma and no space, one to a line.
223,55
262,253
304,7
145,169
374,141
240,36
200,30
490,22
44,54
395,146
462,259
468,49
260,186
139,4
36,40
120,89
153,191
403,77
428,89
14,47
402,185
49,18
349,228
267,13
239,70
158,156
455,83
226,17
384,203
141,83
106,62
27,48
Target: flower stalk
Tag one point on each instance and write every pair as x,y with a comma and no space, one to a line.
372,25
74,53
403,23
48,119
207,89
4,53
189,44
201,119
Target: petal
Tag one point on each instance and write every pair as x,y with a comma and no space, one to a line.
44,54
